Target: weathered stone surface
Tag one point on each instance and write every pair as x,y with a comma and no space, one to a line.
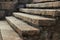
0,35
8,4
23,29
7,32
47,4
56,36
42,0
35,20
2,13
45,12
33,1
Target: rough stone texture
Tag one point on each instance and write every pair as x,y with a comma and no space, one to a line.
0,35
33,1
42,0
43,12
7,32
8,4
47,4
56,36
24,30
35,20
2,13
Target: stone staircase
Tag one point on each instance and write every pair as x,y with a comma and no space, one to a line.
24,30
38,21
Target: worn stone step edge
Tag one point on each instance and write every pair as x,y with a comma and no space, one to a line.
18,26
47,4
46,12
35,20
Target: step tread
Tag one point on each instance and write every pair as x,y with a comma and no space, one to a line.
23,29
51,12
33,16
7,32
20,24
35,20
47,4
42,0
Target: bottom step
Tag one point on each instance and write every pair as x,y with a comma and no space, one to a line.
1,36
7,32
27,31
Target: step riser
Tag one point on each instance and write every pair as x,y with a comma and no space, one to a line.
23,33
42,12
42,5
35,22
